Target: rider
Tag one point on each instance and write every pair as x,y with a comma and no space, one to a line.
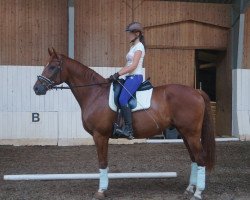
134,78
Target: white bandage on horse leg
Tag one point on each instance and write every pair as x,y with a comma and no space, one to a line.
193,175
192,178
103,181
201,178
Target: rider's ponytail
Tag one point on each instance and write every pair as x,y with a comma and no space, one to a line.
142,40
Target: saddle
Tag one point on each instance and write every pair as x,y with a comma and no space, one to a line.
117,87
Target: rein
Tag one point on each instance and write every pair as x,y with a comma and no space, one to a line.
77,86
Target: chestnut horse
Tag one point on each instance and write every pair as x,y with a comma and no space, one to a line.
179,106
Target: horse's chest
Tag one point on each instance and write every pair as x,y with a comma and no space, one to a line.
86,125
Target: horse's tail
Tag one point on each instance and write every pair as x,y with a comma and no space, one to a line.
208,134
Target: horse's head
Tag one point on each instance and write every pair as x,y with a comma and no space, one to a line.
52,74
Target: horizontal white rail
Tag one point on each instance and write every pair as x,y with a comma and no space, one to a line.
159,141
88,176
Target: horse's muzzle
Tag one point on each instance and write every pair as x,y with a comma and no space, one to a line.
40,89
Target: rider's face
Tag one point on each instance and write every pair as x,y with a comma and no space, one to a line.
131,36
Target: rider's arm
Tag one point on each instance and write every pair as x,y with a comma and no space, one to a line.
132,67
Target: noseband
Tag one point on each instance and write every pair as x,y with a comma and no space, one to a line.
48,82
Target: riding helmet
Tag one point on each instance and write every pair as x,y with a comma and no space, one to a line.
134,27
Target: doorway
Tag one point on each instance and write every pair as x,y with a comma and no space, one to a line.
206,64
211,76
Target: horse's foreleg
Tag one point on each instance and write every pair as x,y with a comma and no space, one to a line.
101,143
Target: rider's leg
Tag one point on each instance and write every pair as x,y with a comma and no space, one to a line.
127,129
131,84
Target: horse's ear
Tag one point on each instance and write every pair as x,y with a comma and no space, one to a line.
54,52
50,52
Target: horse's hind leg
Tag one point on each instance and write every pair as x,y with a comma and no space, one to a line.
193,174
197,176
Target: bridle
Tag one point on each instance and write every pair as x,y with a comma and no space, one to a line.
47,82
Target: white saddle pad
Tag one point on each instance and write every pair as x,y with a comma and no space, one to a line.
143,99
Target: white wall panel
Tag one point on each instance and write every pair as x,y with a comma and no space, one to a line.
18,125
241,103
4,88
60,115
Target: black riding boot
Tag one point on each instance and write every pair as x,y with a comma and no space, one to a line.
126,131
127,128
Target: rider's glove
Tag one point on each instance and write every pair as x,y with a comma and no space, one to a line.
114,77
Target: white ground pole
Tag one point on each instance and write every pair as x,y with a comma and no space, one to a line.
159,141
89,176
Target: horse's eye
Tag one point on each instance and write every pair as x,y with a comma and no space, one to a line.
51,68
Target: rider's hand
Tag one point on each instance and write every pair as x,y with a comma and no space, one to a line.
114,77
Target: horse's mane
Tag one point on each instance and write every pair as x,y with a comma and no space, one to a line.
87,72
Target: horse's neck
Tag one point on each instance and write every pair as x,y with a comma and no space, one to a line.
78,75
81,74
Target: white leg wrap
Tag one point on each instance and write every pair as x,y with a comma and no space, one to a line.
193,175
201,178
192,178
103,181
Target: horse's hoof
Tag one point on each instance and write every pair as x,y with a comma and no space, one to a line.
187,194
99,196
